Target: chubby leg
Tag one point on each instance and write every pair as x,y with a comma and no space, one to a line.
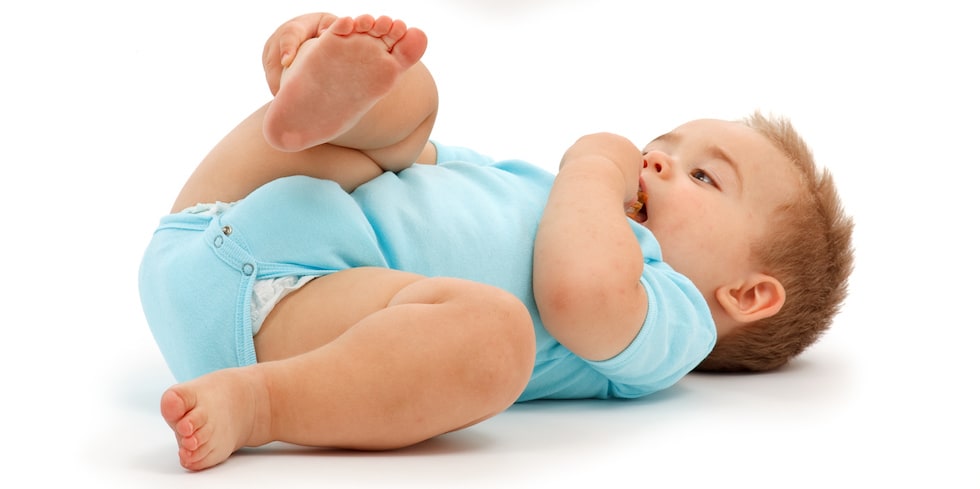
363,359
355,97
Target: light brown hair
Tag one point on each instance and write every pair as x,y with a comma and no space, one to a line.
809,251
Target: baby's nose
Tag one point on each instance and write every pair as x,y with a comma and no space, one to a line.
659,161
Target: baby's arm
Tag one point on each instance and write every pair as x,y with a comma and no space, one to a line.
587,261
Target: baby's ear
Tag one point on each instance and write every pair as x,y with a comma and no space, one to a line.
756,297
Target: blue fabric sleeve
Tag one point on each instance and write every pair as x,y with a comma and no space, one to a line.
676,335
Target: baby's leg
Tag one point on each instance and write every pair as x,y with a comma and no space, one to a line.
398,95
363,359
335,81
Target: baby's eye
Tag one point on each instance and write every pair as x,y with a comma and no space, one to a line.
703,176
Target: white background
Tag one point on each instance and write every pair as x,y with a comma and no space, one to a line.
108,106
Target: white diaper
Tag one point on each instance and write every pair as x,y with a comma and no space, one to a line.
267,292
209,209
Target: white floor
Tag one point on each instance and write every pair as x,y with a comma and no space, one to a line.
107,107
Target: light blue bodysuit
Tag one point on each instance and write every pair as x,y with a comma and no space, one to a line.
467,217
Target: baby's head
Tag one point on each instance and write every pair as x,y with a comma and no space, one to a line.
741,209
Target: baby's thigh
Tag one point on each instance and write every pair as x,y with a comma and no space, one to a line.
326,308
243,161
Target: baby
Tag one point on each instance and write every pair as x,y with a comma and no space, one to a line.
331,277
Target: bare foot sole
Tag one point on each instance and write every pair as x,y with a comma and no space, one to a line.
337,77
214,415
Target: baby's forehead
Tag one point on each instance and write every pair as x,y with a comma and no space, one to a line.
704,131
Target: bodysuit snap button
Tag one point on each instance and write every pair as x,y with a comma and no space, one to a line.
218,241
226,230
247,269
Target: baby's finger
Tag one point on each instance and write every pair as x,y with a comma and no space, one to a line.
281,48
273,72
290,40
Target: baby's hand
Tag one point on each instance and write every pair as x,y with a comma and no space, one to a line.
615,149
281,47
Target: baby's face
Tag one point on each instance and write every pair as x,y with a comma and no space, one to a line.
712,187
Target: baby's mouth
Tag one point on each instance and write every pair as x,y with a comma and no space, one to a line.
638,210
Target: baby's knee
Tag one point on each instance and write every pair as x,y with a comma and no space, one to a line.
504,346
492,332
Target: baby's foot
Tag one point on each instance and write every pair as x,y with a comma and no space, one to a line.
337,77
215,415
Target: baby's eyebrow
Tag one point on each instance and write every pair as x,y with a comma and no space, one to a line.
719,153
